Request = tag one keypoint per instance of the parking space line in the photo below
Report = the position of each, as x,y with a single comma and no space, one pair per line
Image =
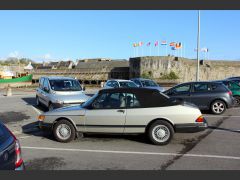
132,152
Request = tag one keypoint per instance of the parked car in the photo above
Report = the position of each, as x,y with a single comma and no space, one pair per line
119,83
147,83
234,87
125,111
234,77
56,92
10,150
212,96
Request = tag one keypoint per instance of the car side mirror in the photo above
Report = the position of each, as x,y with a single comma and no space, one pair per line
46,89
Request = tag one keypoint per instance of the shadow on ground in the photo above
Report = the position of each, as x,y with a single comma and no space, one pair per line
31,101
33,130
223,129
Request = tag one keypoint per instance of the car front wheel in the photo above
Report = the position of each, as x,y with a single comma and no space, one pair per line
160,132
64,131
37,101
218,107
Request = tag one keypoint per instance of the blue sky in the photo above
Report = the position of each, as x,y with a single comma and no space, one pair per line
53,35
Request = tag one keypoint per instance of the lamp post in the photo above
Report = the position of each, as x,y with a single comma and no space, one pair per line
198,45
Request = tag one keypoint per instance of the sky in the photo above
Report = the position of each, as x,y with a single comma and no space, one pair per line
54,35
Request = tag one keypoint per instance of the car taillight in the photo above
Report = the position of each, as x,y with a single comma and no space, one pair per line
200,119
230,93
18,160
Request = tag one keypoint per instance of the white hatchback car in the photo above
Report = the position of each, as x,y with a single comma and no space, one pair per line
125,111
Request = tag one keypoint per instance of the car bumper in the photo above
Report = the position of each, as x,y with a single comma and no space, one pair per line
58,105
191,127
20,168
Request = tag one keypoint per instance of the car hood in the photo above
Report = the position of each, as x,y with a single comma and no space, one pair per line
74,110
71,97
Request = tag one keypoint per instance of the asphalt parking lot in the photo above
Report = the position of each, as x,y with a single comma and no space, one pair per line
217,148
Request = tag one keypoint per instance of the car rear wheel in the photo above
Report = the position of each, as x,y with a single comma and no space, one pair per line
160,132
237,100
218,107
64,131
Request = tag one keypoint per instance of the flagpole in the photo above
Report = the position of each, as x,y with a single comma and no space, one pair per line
158,50
198,45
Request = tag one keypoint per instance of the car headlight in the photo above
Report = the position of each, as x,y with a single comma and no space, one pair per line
41,117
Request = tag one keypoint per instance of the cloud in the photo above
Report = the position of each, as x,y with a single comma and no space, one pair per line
15,54
47,56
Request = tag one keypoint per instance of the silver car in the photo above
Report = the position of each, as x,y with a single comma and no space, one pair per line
119,83
56,92
125,111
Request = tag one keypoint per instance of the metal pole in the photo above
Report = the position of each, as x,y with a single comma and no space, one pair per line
198,45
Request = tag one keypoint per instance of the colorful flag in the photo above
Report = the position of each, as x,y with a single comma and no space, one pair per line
204,49
149,43
140,43
164,43
172,44
178,45
156,43
173,48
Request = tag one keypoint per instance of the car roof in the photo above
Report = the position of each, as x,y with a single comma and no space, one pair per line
133,89
141,79
58,78
120,80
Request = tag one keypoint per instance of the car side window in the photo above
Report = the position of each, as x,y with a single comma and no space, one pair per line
201,87
181,89
115,84
110,101
132,101
109,83
137,82
45,84
41,83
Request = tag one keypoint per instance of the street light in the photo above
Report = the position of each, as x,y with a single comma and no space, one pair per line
198,45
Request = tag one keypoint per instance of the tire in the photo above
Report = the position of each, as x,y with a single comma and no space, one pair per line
218,107
237,100
64,131
50,107
160,128
37,101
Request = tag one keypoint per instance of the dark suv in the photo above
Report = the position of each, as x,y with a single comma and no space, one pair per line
212,96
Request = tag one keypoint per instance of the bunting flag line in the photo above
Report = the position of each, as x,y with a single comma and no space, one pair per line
156,43
164,42
178,45
172,44
140,43
204,49
149,43
173,48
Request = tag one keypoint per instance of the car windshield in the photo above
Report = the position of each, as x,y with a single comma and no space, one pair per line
148,83
65,85
127,84
89,101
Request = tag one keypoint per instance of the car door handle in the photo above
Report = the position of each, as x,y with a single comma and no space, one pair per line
121,110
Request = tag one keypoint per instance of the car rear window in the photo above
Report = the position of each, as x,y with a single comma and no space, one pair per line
219,87
4,134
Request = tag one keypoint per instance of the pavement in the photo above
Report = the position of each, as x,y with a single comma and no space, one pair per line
216,148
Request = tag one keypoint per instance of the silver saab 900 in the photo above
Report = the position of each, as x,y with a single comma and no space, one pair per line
125,111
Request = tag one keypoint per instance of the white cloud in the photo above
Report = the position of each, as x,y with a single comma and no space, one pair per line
47,56
15,54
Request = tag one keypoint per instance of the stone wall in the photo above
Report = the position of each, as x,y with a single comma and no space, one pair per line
158,66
